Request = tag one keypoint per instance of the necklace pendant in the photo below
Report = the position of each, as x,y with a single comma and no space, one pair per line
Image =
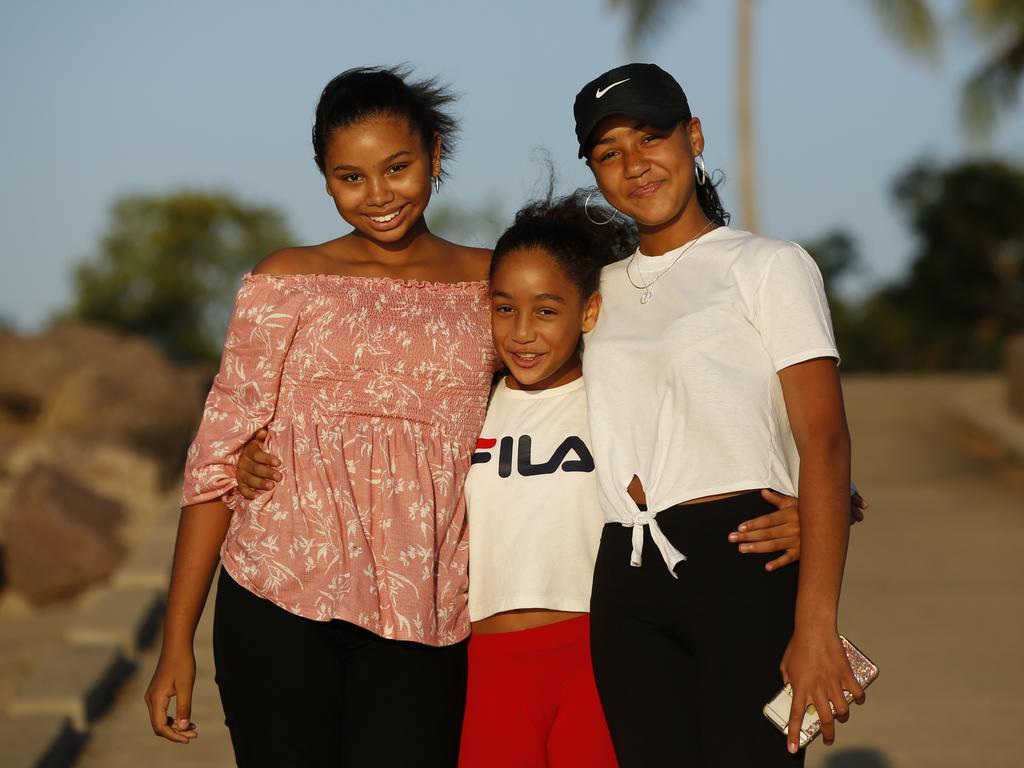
645,296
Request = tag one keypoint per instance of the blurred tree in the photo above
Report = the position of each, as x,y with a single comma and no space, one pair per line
964,293
837,257
995,85
909,21
646,16
479,226
168,266
966,284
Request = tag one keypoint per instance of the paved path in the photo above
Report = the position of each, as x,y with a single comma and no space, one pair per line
123,738
933,594
934,583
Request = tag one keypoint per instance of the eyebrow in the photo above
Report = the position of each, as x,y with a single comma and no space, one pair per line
541,296
389,159
611,140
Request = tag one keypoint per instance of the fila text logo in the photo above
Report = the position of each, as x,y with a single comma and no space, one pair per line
560,459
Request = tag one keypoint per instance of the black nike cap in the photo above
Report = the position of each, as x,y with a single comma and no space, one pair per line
644,91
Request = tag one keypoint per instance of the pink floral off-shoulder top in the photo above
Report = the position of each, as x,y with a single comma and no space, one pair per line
373,391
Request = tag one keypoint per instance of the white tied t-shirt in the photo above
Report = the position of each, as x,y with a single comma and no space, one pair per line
531,499
683,390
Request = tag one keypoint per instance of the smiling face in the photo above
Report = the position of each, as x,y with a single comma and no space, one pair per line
537,316
647,173
378,173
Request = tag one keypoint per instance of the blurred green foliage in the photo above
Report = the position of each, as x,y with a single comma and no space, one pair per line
477,226
963,294
168,265
167,268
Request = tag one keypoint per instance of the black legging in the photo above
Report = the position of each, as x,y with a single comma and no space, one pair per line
299,693
684,666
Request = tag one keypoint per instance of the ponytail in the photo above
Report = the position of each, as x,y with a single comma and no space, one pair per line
710,202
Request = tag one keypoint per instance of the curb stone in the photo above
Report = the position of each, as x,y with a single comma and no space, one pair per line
996,419
47,720
149,564
77,682
38,741
126,618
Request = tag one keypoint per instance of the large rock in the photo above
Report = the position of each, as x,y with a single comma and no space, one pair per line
85,381
110,469
60,536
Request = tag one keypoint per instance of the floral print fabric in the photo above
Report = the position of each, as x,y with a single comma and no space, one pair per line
373,391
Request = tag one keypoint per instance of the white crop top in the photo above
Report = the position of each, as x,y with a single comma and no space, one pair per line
683,390
531,499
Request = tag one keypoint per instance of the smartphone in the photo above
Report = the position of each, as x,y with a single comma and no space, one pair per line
777,710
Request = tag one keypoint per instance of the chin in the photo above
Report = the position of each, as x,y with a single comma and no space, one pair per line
389,236
530,379
655,215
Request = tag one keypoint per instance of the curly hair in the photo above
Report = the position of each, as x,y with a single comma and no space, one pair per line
561,227
363,92
710,202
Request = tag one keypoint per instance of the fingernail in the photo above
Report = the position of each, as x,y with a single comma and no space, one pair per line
182,724
744,547
792,748
733,536
743,527
277,476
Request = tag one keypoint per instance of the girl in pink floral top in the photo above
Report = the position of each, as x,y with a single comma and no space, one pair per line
341,609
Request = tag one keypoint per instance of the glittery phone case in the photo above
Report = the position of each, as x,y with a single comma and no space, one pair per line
777,710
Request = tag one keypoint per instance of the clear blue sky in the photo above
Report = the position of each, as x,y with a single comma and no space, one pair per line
113,96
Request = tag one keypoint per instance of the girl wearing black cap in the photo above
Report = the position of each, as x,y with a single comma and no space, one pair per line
711,375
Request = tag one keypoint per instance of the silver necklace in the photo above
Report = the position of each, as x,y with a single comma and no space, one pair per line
646,287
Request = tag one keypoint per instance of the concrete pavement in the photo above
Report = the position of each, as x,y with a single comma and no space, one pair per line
933,592
934,581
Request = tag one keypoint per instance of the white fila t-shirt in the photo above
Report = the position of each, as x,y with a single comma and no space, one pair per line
684,389
531,499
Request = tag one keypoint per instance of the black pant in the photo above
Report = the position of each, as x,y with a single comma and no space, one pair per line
299,693
684,666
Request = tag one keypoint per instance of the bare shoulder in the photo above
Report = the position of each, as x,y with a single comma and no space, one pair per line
476,262
301,260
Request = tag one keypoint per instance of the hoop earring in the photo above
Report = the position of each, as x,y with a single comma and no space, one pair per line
698,164
437,183
586,210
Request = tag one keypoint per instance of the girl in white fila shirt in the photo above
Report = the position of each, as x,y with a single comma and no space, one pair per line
533,503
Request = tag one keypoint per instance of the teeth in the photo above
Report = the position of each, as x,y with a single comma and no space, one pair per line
384,219
527,355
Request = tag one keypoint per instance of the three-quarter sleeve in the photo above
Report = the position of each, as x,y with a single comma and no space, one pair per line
791,312
244,394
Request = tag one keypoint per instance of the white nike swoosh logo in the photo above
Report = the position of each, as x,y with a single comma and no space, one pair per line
602,91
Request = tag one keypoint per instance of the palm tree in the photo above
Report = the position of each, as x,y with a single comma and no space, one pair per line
647,15
910,23
995,84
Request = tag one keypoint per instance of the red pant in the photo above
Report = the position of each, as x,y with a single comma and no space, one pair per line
532,703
